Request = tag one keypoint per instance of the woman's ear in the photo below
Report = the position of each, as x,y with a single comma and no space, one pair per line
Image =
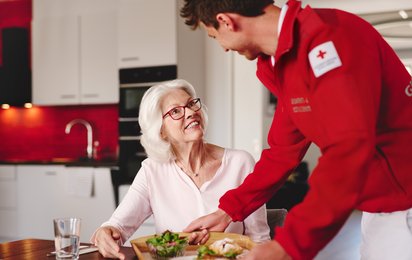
225,21
162,134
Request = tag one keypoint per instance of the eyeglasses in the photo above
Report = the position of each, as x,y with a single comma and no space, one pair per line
177,113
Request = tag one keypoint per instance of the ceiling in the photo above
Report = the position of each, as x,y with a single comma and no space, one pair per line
394,26
383,14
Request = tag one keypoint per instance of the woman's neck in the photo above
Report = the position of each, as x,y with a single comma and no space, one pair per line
192,156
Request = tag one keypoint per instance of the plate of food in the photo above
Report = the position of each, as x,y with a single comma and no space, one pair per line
170,245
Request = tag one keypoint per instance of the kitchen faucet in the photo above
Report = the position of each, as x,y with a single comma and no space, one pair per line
89,134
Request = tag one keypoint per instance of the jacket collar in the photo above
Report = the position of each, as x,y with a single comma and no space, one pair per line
285,40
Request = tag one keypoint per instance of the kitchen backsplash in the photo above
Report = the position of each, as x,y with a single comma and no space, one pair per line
38,133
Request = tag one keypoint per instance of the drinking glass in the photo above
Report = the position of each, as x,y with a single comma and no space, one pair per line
67,237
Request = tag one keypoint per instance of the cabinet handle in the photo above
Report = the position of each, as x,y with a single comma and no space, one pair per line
50,173
91,95
130,59
129,138
68,96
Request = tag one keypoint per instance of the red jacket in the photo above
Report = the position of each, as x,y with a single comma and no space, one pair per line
357,109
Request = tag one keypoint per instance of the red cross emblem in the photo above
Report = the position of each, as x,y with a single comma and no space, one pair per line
321,54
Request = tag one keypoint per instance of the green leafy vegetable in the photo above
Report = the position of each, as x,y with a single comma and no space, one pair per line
168,244
204,251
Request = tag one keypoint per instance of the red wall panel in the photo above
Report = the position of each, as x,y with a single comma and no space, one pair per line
39,133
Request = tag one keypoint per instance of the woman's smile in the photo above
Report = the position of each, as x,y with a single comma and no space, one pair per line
193,124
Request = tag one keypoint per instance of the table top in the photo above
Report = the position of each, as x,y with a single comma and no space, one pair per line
28,249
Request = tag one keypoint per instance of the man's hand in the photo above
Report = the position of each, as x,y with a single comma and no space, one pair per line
199,237
105,239
268,250
216,221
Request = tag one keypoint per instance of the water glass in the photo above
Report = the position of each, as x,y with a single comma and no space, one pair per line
67,237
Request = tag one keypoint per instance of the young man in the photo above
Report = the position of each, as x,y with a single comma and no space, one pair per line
340,86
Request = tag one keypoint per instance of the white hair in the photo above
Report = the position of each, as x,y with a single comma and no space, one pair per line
150,118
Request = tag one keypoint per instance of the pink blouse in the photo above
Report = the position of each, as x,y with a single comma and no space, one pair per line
164,190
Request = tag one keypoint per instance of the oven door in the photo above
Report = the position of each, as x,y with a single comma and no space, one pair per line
130,98
131,155
129,128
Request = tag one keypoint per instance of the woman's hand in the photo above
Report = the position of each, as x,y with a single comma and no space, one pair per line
199,237
105,239
268,250
216,221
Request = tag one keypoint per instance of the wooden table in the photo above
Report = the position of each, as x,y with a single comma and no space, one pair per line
36,249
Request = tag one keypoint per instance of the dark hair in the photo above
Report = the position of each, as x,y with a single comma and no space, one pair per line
205,11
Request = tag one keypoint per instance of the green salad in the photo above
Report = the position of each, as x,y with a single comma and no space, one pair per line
168,244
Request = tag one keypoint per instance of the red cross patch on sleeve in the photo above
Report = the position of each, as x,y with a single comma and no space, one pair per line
324,58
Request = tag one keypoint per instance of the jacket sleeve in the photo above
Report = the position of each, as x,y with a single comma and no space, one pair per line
287,147
256,225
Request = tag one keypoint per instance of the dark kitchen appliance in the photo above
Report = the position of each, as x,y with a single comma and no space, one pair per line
15,73
133,84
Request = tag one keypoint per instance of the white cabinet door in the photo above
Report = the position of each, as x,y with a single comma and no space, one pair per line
147,33
56,65
99,77
38,200
74,59
48,192
8,202
93,209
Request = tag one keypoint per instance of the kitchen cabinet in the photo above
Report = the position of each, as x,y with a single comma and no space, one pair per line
38,200
50,191
147,33
74,59
8,202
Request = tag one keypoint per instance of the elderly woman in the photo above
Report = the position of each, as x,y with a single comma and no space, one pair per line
183,177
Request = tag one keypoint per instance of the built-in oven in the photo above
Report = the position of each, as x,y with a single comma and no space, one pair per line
133,84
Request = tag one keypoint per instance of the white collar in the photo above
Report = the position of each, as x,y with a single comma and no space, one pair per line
280,23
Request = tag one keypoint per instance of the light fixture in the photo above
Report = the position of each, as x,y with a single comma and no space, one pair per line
403,14
5,106
28,105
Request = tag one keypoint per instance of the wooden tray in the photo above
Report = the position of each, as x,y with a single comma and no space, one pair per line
142,251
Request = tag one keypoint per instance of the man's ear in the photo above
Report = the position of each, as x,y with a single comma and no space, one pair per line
226,21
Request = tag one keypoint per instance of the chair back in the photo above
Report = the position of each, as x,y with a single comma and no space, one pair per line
276,218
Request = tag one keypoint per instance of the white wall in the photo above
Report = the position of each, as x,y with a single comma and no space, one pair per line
248,105
190,54
234,97
219,94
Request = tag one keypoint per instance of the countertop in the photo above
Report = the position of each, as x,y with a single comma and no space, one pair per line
35,249
69,162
